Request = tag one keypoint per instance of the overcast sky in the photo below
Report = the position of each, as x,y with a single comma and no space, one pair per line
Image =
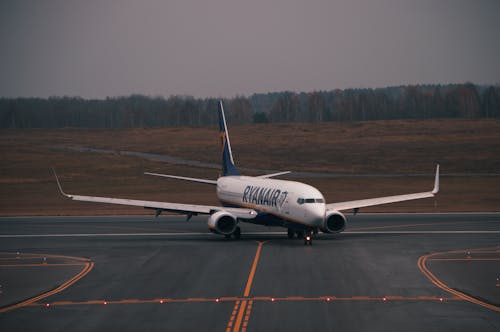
221,48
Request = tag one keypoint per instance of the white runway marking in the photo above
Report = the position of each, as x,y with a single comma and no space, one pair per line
424,232
13,236
98,234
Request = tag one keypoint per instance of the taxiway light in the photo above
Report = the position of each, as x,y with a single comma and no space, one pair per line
384,299
328,299
217,300
105,302
161,301
272,299
441,299
47,305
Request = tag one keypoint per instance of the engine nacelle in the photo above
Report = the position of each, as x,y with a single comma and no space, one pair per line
335,222
222,222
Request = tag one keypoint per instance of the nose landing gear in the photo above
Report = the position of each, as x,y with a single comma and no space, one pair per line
300,235
308,240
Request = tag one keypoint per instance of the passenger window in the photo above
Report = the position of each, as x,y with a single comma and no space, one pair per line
309,200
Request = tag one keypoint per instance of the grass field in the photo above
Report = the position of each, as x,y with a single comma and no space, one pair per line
468,151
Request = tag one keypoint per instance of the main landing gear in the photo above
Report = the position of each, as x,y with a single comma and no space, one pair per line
236,234
300,234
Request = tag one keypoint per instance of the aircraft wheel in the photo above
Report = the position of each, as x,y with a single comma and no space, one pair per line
308,240
291,233
237,233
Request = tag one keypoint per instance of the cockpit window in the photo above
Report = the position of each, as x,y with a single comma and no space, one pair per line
310,200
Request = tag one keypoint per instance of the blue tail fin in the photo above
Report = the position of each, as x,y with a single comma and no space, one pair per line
228,167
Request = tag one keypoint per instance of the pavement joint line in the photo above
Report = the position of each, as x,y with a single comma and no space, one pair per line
42,264
461,259
409,225
32,256
16,258
421,263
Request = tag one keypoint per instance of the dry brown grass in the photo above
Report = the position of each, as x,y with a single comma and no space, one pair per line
460,146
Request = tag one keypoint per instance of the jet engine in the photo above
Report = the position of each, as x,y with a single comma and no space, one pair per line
222,222
334,222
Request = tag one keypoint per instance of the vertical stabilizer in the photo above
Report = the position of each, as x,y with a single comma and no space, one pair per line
228,167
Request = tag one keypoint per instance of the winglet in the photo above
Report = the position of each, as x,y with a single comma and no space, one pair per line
59,184
436,182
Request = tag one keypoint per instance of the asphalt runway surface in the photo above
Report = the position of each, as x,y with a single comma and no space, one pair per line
387,272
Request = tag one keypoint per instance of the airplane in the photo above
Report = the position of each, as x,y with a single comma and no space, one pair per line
261,200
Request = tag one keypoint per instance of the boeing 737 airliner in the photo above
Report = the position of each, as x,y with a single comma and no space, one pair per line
261,200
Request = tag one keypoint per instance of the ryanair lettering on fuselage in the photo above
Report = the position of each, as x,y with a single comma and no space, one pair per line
264,196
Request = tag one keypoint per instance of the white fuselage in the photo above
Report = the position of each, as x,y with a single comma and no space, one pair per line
291,201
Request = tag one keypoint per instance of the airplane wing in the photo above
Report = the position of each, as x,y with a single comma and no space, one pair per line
385,200
163,206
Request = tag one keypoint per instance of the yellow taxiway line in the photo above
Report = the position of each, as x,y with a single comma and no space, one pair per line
242,309
88,265
422,265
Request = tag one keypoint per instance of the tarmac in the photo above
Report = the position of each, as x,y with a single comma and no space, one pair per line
386,272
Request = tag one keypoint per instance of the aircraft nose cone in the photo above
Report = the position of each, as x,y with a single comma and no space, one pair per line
316,215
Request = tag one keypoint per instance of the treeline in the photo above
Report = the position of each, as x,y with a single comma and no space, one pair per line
404,102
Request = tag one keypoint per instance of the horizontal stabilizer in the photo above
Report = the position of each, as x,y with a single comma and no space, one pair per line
267,176
183,178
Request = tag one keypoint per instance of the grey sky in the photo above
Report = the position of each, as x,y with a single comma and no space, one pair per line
217,48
